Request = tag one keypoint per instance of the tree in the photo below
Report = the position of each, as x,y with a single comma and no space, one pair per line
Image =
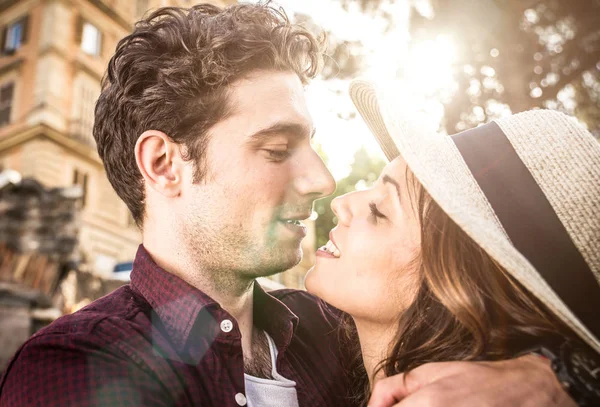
343,59
522,54
365,171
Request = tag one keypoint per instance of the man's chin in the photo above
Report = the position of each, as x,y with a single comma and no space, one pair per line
278,262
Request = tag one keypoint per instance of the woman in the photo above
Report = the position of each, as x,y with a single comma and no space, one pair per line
480,246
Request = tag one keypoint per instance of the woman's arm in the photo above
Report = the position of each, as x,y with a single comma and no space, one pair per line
528,380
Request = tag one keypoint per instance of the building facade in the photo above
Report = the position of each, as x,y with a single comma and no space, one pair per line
53,54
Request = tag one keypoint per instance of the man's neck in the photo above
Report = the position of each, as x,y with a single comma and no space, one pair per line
235,297
375,340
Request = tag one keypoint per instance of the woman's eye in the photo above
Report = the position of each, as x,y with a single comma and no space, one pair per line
277,155
375,214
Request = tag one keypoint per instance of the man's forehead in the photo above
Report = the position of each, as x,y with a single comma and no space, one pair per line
270,103
266,90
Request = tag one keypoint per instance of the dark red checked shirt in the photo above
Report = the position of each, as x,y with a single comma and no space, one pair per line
161,342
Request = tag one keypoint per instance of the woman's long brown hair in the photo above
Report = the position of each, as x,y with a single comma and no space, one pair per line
467,307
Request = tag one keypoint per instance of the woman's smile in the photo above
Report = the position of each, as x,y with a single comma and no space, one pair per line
330,249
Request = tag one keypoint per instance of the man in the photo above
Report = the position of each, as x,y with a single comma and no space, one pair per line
204,133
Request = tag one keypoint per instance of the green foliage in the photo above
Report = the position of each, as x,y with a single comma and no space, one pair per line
365,171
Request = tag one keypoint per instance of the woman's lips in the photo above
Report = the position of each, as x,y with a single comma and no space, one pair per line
330,249
332,239
323,253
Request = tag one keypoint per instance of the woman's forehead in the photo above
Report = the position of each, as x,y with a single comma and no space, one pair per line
395,169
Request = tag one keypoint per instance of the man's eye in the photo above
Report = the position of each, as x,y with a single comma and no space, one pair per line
375,214
277,155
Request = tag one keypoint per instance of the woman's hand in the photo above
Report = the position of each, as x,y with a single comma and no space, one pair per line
526,381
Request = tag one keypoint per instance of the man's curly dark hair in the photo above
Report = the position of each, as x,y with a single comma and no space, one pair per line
172,74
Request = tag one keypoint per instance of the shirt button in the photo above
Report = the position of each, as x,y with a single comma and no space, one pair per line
227,326
240,399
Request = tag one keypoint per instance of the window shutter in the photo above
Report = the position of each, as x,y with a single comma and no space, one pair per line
25,28
78,30
6,94
4,116
3,38
85,189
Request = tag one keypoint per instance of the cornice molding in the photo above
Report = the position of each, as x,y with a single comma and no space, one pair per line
42,131
112,14
82,66
12,65
65,2
6,4
52,49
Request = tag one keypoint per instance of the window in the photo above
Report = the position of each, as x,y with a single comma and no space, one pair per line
6,99
81,179
14,35
91,39
85,94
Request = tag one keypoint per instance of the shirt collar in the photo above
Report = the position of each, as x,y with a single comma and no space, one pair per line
178,305
175,302
274,317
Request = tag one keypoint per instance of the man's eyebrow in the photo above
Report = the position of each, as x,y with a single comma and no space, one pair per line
296,130
387,179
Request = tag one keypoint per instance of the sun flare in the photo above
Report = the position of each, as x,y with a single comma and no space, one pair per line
429,65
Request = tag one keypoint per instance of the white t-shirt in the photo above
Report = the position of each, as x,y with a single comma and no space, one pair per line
276,392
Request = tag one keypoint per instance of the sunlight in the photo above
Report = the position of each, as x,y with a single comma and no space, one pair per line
422,73
429,65
422,77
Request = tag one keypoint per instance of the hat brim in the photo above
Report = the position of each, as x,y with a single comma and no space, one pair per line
438,165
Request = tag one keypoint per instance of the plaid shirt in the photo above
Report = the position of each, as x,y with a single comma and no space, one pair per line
161,342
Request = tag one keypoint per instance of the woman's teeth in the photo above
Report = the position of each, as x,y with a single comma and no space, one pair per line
331,248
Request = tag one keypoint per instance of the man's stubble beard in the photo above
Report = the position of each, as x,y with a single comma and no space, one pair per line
228,253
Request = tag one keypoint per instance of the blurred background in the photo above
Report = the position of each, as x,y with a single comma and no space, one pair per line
66,238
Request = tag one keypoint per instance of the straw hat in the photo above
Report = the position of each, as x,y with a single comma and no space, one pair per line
526,188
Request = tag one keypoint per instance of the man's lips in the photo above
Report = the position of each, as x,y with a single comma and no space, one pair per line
294,225
296,217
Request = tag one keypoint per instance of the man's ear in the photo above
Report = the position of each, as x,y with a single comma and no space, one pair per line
158,159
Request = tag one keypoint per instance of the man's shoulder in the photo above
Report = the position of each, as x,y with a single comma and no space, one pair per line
103,330
309,308
286,294
107,324
102,344
295,298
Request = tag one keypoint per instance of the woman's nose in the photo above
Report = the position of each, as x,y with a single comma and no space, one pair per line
340,208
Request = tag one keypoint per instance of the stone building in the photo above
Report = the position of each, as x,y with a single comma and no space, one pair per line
53,54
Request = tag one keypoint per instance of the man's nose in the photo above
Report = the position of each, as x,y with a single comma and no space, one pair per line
313,178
